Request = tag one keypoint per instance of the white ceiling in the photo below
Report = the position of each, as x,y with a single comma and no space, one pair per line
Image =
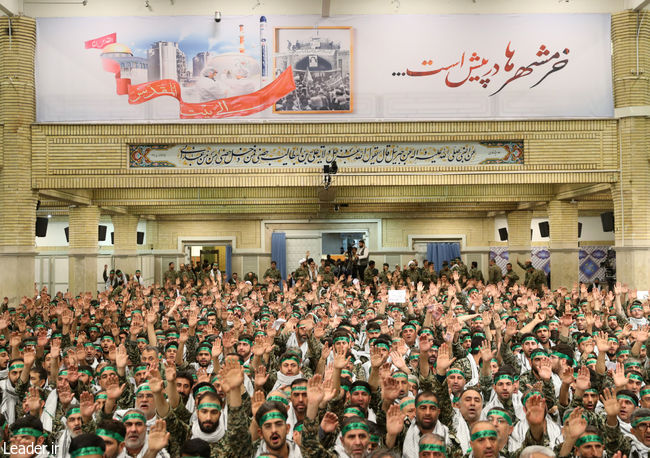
54,8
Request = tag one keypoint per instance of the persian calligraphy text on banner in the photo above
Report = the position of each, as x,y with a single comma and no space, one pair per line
303,67
316,155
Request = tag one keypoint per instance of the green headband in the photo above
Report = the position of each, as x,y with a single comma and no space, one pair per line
106,369
529,339
639,420
584,339
173,335
87,451
273,415
204,348
209,405
588,438
501,413
427,402
645,391
28,432
85,371
531,394
400,375
246,341
433,448
627,398
140,369
292,357
635,376
455,371
15,366
382,345
134,416
623,352
504,376
108,338
563,356
426,331
298,428
281,399
405,403
485,433
298,388
354,411
204,389
537,353
141,388
341,339
73,411
112,434
353,426
360,388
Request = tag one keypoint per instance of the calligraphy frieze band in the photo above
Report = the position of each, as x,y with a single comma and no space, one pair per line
205,156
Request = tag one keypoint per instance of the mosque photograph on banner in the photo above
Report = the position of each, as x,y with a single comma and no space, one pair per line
321,58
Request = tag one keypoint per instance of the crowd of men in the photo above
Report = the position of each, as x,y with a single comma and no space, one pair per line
207,366
329,92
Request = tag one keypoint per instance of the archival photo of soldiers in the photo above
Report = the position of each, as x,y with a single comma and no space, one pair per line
321,59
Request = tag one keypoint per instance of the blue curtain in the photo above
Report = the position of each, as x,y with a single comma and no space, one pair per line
437,252
228,262
279,252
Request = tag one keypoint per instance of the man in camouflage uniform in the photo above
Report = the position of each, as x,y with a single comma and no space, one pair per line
273,272
494,273
170,274
511,275
475,273
536,280
370,273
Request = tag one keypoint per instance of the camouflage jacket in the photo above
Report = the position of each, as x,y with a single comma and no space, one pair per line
232,445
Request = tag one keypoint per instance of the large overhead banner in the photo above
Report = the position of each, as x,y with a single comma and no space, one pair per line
309,68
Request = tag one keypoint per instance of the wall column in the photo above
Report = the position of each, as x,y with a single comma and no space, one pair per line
631,195
519,239
563,224
17,199
84,222
125,252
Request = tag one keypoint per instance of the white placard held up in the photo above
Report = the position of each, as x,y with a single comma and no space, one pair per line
397,296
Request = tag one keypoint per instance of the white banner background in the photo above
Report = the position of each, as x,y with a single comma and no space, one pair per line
73,87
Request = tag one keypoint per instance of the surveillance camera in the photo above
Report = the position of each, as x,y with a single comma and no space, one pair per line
217,16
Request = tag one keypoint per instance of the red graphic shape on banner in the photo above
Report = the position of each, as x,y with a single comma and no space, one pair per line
122,84
99,43
242,105
146,91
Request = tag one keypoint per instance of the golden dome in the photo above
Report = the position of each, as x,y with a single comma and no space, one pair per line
116,47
